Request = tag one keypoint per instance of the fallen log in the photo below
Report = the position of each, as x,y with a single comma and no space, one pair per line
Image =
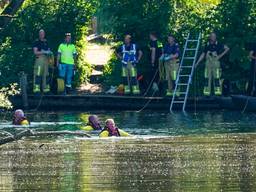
58,133
30,133
12,138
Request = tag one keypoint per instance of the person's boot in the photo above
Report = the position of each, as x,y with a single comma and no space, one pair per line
47,90
218,91
207,92
169,93
36,90
127,90
135,90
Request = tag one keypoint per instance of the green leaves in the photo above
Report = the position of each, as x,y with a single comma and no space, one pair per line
57,18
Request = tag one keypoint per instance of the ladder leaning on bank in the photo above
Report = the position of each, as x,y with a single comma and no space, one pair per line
185,72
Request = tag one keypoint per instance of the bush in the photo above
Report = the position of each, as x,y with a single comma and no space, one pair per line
5,92
231,19
57,18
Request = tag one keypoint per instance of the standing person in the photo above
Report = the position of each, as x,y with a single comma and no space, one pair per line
67,55
213,52
156,49
130,55
41,68
169,64
252,79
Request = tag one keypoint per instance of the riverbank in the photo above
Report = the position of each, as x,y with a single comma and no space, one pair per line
111,102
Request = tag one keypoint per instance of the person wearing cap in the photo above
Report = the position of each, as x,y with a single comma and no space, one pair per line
213,52
93,124
169,64
130,55
43,60
19,118
111,130
66,62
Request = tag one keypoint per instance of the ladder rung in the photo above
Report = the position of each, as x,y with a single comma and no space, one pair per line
182,93
184,75
186,66
190,49
182,84
189,57
178,101
192,40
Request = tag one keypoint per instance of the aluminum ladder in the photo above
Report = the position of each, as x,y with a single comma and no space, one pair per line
185,72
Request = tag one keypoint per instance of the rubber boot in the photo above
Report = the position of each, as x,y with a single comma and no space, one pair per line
36,89
135,90
218,91
47,89
169,93
127,90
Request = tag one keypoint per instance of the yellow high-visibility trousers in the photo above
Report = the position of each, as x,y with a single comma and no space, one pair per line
212,75
129,76
41,74
168,71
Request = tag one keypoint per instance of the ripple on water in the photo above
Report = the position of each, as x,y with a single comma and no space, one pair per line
183,163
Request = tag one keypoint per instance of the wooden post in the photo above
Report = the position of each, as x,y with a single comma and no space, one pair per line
23,87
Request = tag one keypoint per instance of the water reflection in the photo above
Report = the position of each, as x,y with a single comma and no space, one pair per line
206,152
189,163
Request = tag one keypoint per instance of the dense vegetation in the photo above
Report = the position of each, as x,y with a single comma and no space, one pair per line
233,20
56,17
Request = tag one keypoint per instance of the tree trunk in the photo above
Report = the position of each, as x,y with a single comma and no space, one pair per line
9,12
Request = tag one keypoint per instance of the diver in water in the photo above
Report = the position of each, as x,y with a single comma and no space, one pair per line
111,130
93,124
19,118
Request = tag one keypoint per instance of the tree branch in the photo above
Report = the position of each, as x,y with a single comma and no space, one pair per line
30,133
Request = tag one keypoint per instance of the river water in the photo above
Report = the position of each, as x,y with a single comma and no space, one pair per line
209,151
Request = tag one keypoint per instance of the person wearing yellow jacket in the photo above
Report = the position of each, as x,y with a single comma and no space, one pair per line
111,130
19,118
93,124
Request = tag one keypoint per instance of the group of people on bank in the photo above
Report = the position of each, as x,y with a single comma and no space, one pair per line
93,124
44,60
164,64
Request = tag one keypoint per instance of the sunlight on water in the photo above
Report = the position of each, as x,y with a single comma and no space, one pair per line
209,152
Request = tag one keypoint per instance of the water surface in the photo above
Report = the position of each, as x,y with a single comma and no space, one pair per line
203,152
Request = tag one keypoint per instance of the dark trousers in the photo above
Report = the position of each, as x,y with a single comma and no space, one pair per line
251,90
154,74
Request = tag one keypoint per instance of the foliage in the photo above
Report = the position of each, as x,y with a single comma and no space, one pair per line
112,71
233,20
57,18
5,92
135,17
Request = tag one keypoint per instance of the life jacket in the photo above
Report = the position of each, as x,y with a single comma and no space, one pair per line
129,56
110,134
20,121
95,127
